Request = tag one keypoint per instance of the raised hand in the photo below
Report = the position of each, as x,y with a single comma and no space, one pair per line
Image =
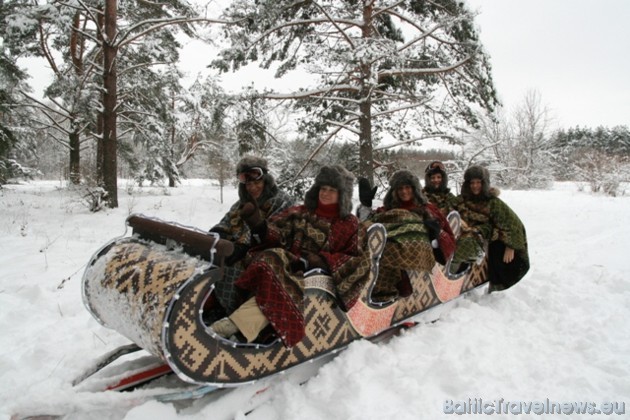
250,213
366,192
433,228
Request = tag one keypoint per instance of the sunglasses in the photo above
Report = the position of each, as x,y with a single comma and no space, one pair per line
435,165
252,174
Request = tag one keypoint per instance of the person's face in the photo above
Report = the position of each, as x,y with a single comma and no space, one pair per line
436,180
255,188
475,186
328,195
405,192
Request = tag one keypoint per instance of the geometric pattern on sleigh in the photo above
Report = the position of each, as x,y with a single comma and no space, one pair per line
153,292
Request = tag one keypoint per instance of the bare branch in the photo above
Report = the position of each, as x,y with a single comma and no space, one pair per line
316,151
336,25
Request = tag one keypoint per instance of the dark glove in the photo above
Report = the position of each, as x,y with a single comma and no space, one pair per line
250,213
222,234
298,265
315,260
433,228
238,254
366,193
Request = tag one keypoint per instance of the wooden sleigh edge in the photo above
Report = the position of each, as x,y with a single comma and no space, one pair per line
195,242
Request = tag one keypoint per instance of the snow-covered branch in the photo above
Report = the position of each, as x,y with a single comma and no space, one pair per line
310,93
421,72
304,22
345,125
433,136
130,34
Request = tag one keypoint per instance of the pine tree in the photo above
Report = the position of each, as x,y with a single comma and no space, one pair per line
101,46
384,70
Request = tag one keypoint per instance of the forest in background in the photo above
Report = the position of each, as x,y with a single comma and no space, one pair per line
117,108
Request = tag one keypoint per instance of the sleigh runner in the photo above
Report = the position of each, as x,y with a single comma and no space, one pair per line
152,287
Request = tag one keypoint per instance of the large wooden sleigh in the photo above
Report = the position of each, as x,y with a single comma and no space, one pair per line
152,286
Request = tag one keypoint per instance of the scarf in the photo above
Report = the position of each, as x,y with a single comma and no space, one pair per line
327,211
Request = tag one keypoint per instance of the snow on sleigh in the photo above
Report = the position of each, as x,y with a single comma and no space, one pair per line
151,287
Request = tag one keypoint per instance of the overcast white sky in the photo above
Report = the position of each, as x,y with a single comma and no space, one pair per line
575,53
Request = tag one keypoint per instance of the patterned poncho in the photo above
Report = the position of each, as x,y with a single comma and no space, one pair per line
444,200
234,229
408,247
491,219
278,285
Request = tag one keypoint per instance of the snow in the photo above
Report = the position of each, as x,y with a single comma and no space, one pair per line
560,336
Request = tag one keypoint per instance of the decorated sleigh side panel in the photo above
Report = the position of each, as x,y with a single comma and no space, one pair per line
199,355
129,284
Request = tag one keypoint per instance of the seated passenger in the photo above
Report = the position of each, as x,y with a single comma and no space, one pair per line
418,234
320,235
436,187
257,185
486,219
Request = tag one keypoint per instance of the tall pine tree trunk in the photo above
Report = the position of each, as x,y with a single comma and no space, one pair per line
75,158
110,144
171,175
76,55
366,156
99,117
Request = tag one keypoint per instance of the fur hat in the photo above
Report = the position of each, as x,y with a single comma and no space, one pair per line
398,179
337,177
436,167
478,172
248,162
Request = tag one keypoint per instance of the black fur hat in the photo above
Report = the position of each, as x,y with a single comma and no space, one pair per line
398,179
478,172
337,177
248,162
436,167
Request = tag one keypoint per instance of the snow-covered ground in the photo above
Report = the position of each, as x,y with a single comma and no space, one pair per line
560,336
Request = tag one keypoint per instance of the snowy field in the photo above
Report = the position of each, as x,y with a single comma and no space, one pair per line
560,336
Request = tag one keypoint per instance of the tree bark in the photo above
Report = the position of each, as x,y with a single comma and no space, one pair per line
76,55
99,117
110,51
75,158
366,152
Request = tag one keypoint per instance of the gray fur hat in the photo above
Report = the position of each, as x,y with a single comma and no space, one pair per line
435,167
337,177
478,172
248,162
398,179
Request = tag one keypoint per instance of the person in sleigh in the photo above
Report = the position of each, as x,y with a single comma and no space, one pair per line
489,221
257,185
436,188
321,236
418,234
